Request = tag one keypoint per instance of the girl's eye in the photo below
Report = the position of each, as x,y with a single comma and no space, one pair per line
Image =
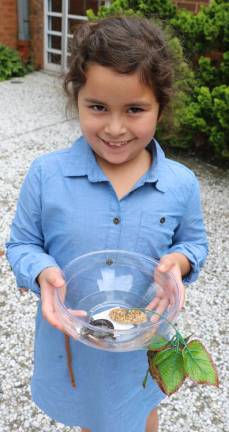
135,110
97,108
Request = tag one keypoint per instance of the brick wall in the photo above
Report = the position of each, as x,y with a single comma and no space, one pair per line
8,23
191,5
36,21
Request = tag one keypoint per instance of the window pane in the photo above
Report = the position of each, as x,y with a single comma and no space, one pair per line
80,7
77,7
54,42
68,61
55,5
54,58
92,4
54,23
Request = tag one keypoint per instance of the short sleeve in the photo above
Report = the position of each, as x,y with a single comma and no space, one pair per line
25,248
190,237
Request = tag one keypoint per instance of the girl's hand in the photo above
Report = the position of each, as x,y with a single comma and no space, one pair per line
50,279
178,265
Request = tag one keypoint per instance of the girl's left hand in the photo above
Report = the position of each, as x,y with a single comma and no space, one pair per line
165,295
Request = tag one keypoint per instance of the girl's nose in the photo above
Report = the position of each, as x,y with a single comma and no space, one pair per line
115,127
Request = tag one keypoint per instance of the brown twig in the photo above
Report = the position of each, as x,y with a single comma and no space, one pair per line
69,360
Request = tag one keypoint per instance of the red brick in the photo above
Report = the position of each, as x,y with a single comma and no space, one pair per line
36,19
197,1
8,22
189,6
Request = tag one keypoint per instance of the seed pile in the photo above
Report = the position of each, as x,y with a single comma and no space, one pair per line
127,316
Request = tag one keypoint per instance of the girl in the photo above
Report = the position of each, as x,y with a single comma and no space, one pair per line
113,189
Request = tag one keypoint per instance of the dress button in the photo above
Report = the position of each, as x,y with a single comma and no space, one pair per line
109,261
162,220
116,220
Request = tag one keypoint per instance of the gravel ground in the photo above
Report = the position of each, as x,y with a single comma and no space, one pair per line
33,121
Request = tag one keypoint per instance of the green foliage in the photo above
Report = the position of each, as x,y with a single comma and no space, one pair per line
198,363
117,7
205,31
157,343
205,119
157,8
154,8
167,368
176,359
11,64
200,106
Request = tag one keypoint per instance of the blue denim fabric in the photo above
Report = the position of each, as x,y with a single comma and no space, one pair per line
65,209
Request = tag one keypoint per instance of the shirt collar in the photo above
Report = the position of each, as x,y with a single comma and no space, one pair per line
156,174
81,161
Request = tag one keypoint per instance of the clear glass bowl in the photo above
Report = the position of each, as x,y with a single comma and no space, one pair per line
101,281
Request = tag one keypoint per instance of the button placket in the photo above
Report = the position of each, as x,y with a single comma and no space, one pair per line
113,234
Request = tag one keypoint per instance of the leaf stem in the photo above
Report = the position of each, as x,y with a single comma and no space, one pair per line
177,340
146,377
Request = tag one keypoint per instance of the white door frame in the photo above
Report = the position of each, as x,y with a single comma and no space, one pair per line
63,34
48,15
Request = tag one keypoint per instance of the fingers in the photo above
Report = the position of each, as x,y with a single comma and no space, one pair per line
78,312
49,280
153,304
166,289
55,279
161,308
48,307
182,296
178,265
165,265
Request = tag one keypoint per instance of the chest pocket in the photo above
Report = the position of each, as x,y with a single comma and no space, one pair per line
156,234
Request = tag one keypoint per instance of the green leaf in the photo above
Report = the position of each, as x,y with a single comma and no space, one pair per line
157,343
167,368
198,364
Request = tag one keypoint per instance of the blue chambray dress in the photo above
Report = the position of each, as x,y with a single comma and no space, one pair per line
67,208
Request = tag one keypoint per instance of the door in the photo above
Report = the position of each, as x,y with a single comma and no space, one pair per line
61,18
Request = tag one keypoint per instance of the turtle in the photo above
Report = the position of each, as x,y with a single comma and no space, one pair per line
103,323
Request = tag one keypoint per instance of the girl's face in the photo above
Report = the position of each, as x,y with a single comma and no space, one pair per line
118,114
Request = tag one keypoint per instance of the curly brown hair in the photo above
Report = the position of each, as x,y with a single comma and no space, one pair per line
127,45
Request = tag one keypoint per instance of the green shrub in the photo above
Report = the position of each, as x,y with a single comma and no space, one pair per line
205,31
11,64
205,120
156,8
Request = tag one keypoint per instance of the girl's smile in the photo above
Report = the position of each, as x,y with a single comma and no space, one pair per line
118,115
116,145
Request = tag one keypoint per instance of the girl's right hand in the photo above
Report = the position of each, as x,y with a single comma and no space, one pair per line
50,279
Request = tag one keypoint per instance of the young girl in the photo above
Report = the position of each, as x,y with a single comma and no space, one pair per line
113,189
